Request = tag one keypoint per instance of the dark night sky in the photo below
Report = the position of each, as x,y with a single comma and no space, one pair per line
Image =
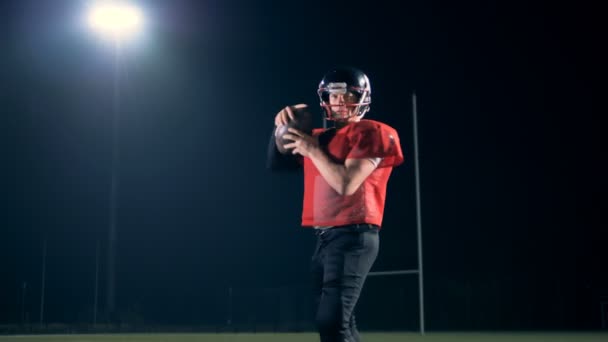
512,168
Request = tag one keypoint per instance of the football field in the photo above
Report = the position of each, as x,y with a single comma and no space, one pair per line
310,337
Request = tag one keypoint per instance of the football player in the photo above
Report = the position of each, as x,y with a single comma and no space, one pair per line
346,171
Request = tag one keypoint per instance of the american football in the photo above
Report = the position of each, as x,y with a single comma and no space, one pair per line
302,122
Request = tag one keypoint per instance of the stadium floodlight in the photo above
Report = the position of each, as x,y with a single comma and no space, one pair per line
117,20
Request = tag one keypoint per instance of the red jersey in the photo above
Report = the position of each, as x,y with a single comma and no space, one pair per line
323,206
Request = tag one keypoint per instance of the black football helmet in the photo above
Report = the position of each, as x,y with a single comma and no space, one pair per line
341,81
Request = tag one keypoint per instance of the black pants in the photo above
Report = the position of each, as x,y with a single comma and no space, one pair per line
341,261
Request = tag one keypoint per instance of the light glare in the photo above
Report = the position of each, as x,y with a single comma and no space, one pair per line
116,20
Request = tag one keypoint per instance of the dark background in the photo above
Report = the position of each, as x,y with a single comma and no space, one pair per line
511,159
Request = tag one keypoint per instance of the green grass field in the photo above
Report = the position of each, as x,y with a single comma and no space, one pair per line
309,337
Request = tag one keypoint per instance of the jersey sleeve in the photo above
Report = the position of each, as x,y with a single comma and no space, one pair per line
375,140
275,161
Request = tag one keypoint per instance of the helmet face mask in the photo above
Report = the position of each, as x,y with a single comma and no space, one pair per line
349,83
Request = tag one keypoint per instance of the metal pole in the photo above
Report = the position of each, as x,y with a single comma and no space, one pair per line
110,298
96,283
603,310
43,283
229,321
23,289
418,215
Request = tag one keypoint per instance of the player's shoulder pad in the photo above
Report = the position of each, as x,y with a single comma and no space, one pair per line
373,139
372,125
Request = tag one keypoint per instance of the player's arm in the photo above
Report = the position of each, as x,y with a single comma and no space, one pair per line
345,178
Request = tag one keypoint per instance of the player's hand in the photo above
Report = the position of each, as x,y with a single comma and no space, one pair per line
286,114
303,144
